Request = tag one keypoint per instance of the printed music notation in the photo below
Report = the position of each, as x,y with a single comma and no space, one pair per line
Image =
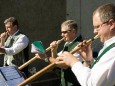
10,76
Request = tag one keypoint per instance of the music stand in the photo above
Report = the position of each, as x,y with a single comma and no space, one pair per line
10,76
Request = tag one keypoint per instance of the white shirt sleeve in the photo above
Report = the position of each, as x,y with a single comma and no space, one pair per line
102,74
81,72
18,46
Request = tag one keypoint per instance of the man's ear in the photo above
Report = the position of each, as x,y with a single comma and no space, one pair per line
15,26
112,23
74,31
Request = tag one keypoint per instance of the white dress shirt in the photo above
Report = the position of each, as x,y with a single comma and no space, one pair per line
102,73
18,46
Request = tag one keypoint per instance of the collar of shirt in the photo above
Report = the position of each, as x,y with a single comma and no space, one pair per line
110,41
70,42
107,43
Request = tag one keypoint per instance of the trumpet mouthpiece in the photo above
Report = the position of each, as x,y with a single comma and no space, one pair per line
96,37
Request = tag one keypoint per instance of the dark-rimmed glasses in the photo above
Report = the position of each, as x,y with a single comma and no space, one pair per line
95,27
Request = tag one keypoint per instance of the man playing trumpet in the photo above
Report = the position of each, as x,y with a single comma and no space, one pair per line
102,70
15,46
69,30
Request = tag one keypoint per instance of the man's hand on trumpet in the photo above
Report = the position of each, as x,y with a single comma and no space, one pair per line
67,59
86,52
3,37
54,46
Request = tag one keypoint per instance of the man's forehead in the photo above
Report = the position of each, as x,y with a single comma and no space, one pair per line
96,19
64,27
8,23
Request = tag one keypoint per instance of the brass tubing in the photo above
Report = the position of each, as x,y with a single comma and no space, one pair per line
37,74
52,65
34,58
59,41
87,42
28,62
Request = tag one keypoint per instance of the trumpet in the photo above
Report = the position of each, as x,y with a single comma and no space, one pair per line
87,42
59,41
5,33
52,65
34,58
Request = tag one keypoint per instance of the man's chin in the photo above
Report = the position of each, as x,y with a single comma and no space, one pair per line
102,40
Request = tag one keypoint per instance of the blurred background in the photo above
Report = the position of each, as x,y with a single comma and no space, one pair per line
41,19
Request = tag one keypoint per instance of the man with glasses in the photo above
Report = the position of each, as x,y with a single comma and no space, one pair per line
102,70
69,30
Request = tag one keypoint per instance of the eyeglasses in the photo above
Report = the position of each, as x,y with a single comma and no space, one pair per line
64,32
95,27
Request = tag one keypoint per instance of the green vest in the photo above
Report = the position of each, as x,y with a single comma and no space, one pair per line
67,76
19,58
72,46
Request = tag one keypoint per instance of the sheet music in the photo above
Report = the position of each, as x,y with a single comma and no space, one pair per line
10,73
15,82
2,81
10,76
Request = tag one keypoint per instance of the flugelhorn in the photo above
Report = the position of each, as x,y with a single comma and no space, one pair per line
59,41
52,65
5,33
34,58
87,42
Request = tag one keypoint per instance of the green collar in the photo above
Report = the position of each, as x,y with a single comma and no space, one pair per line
98,58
